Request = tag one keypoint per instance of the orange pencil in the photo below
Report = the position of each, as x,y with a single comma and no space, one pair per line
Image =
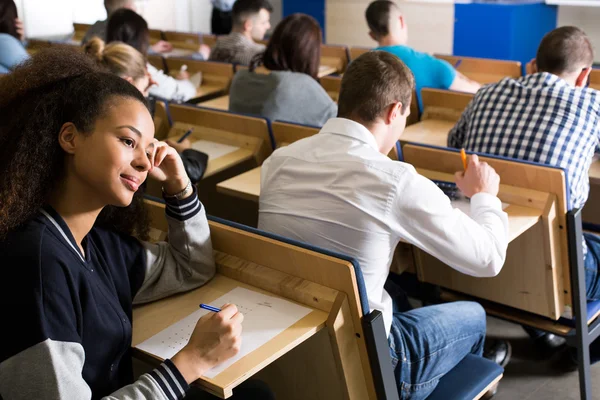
463,155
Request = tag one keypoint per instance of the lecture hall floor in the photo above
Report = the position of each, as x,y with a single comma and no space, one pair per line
529,376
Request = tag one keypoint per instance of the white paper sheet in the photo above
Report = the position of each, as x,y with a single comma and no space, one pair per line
213,149
264,318
464,205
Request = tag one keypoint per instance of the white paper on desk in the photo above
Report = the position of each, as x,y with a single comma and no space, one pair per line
264,318
213,149
464,205
196,79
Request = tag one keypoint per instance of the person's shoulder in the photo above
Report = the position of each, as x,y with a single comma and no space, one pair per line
31,247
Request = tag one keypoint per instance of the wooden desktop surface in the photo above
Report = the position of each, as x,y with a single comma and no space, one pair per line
245,186
325,70
219,103
216,165
432,131
520,218
149,319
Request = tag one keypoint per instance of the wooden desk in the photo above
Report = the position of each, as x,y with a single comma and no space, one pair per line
325,70
215,165
332,85
245,186
535,276
330,361
431,131
150,319
520,217
179,52
334,56
595,79
484,70
219,103
216,77
591,210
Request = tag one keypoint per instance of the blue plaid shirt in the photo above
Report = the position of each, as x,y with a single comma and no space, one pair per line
539,118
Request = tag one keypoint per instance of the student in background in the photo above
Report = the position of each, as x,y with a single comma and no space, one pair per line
290,90
338,190
128,27
548,117
77,143
12,51
129,64
99,28
388,28
221,19
250,23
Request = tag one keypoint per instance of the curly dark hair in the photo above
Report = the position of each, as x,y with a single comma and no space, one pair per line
56,86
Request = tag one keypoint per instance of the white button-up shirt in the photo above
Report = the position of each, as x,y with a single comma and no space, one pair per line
335,190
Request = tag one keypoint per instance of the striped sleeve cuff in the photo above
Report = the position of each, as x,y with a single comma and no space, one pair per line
182,210
170,380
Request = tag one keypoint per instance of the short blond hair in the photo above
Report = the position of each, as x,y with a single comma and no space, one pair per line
119,58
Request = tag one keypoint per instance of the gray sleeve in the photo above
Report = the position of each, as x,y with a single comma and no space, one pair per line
186,261
52,370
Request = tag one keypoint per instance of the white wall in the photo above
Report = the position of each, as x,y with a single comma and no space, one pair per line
430,24
586,18
45,18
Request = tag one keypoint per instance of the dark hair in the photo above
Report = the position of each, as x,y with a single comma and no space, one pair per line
295,46
57,85
378,17
127,26
372,82
563,50
244,9
8,15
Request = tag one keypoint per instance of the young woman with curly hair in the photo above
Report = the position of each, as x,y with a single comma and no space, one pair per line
76,143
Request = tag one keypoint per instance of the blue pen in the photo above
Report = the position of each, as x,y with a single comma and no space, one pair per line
457,64
185,135
210,308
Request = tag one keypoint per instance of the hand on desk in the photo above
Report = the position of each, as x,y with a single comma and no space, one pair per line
479,177
216,338
204,50
162,47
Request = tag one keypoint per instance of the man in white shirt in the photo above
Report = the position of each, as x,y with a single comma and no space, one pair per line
338,190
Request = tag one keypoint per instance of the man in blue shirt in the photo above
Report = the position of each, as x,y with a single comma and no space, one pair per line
388,28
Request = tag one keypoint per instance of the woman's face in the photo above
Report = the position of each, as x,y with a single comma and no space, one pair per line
114,160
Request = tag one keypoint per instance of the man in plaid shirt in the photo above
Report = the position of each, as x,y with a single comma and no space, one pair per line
548,117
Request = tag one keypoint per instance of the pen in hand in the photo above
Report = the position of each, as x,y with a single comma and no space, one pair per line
463,156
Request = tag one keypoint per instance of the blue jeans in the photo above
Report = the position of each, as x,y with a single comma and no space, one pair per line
427,342
592,264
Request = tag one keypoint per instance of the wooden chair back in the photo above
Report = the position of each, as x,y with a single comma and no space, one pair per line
484,70
444,104
356,52
286,133
595,79
332,85
335,56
